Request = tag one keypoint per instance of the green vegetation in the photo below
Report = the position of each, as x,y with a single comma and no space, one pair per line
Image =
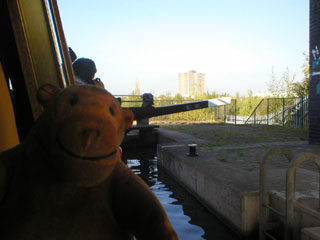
240,105
218,135
246,104
241,154
208,114
214,144
250,169
134,100
287,86
222,159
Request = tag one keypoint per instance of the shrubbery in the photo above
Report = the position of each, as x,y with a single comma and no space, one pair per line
244,105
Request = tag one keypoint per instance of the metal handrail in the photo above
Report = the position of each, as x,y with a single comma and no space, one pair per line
253,111
275,116
264,207
290,188
290,108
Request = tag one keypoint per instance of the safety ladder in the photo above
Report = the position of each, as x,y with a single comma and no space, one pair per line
288,216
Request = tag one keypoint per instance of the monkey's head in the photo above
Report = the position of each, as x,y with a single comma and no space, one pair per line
87,126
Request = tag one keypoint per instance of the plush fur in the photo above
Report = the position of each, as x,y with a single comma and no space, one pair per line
67,181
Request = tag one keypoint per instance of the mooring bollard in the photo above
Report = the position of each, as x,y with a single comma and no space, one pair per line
192,150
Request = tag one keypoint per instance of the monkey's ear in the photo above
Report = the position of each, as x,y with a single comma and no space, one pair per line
128,117
46,93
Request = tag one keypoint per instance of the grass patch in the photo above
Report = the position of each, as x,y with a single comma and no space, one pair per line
222,159
214,144
249,169
241,154
230,135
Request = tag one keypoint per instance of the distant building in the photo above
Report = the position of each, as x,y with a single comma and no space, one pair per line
191,83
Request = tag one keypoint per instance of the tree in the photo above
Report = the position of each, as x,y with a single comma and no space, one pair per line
136,90
281,87
302,88
133,101
275,87
288,82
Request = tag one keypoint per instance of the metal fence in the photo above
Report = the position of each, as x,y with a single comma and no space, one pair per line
290,112
227,113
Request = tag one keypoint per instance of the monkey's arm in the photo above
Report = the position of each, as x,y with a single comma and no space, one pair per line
138,209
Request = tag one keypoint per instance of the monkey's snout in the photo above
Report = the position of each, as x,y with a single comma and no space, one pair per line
90,133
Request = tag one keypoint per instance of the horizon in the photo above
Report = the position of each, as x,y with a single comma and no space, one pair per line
235,44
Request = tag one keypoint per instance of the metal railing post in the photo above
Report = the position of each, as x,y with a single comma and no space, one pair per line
302,113
283,104
235,112
268,111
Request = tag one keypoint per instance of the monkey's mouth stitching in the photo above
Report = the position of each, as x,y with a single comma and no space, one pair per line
84,157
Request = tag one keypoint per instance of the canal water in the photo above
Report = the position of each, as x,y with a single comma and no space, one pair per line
189,218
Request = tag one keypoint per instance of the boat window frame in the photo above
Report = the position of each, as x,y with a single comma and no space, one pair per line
42,47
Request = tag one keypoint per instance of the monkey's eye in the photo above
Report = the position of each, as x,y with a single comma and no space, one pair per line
111,111
74,100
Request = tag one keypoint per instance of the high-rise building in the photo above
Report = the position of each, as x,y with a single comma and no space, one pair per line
201,83
191,83
183,84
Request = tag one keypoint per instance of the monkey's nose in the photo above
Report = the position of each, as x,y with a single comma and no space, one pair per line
90,132
89,137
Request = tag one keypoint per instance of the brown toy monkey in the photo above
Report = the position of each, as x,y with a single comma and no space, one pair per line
67,181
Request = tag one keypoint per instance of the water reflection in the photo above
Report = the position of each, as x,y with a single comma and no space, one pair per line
189,218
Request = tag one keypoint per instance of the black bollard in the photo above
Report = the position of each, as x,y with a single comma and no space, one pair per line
192,150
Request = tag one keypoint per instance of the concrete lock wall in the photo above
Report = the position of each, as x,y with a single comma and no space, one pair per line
238,209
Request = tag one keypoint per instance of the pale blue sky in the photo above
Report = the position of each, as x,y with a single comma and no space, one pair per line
235,43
